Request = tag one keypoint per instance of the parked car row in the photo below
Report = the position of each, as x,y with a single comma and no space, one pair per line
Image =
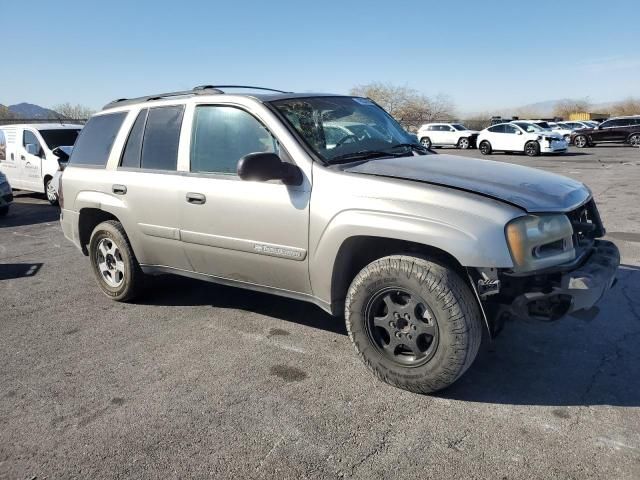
624,130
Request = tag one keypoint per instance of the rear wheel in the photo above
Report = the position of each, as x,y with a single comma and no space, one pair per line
485,148
50,191
463,143
634,140
581,141
426,142
414,322
113,262
532,149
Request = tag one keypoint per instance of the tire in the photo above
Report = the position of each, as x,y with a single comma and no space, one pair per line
50,192
426,142
532,149
581,141
4,211
485,148
433,334
114,263
634,140
463,143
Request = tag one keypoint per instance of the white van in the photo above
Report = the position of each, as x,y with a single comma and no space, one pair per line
28,160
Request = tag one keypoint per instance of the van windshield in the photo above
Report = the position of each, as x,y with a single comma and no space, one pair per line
60,137
345,128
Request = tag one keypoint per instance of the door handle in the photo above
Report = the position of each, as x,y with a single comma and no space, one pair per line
22,157
196,198
119,189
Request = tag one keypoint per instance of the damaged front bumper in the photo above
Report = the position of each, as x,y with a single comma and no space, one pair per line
562,293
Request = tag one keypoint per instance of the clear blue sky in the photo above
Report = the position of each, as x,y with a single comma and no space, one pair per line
484,54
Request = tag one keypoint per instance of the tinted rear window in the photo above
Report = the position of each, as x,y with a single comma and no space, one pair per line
133,147
94,143
161,138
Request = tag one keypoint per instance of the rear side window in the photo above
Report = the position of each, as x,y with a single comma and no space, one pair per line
497,129
161,138
94,143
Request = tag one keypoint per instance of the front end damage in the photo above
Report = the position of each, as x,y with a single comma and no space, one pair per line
554,292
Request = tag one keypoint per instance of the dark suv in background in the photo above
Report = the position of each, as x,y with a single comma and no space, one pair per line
614,130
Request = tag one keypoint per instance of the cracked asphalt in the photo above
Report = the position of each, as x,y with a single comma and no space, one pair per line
197,380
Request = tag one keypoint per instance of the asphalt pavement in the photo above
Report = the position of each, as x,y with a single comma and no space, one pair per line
196,380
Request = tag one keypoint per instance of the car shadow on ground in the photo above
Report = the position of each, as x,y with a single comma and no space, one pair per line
181,291
10,271
29,209
590,359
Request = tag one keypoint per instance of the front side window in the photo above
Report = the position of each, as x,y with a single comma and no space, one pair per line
530,127
162,138
369,130
497,128
61,137
510,129
459,127
94,143
29,137
221,136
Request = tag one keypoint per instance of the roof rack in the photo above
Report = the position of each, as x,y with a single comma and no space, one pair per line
199,90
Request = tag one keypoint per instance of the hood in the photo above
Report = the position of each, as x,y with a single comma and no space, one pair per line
528,188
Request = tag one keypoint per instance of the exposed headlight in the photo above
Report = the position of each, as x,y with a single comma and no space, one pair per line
540,241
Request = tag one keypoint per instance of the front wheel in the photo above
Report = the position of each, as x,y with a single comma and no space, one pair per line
581,141
52,194
532,149
113,262
634,141
485,148
414,322
426,142
463,143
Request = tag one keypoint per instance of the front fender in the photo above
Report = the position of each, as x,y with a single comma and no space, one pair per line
479,244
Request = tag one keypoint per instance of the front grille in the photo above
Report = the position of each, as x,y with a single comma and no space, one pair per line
586,223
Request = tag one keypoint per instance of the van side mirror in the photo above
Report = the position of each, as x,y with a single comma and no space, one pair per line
33,149
263,167
63,157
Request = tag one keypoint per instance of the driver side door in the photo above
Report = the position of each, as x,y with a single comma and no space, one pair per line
250,232
30,165
513,138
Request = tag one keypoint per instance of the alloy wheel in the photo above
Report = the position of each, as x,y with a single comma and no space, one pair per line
635,141
52,195
463,143
402,327
110,263
580,141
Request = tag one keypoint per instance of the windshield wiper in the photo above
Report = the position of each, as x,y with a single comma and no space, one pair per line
416,147
361,155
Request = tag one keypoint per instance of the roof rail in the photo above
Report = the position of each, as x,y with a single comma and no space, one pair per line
185,93
248,87
199,90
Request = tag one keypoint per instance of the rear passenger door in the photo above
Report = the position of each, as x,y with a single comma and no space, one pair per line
148,183
254,233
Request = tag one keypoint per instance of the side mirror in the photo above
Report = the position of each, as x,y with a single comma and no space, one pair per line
263,167
518,132
33,149
63,157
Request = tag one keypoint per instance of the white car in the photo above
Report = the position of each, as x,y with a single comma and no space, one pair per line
29,162
520,137
553,127
447,135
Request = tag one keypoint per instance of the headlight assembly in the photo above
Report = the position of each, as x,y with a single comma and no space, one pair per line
540,241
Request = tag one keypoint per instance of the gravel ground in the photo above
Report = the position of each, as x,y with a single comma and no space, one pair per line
198,380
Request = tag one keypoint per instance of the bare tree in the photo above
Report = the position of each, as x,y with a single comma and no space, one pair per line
67,110
5,113
565,108
629,106
407,105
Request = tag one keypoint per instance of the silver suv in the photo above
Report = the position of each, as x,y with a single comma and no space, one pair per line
419,251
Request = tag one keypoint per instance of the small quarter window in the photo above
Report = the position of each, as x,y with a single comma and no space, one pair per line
94,143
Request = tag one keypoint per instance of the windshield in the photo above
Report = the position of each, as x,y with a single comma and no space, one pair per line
338,128
529,127
59,137
544,125
459,127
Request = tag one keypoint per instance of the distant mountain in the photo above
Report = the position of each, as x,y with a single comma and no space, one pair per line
29,110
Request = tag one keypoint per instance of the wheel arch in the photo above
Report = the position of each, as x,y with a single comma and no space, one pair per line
89,218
